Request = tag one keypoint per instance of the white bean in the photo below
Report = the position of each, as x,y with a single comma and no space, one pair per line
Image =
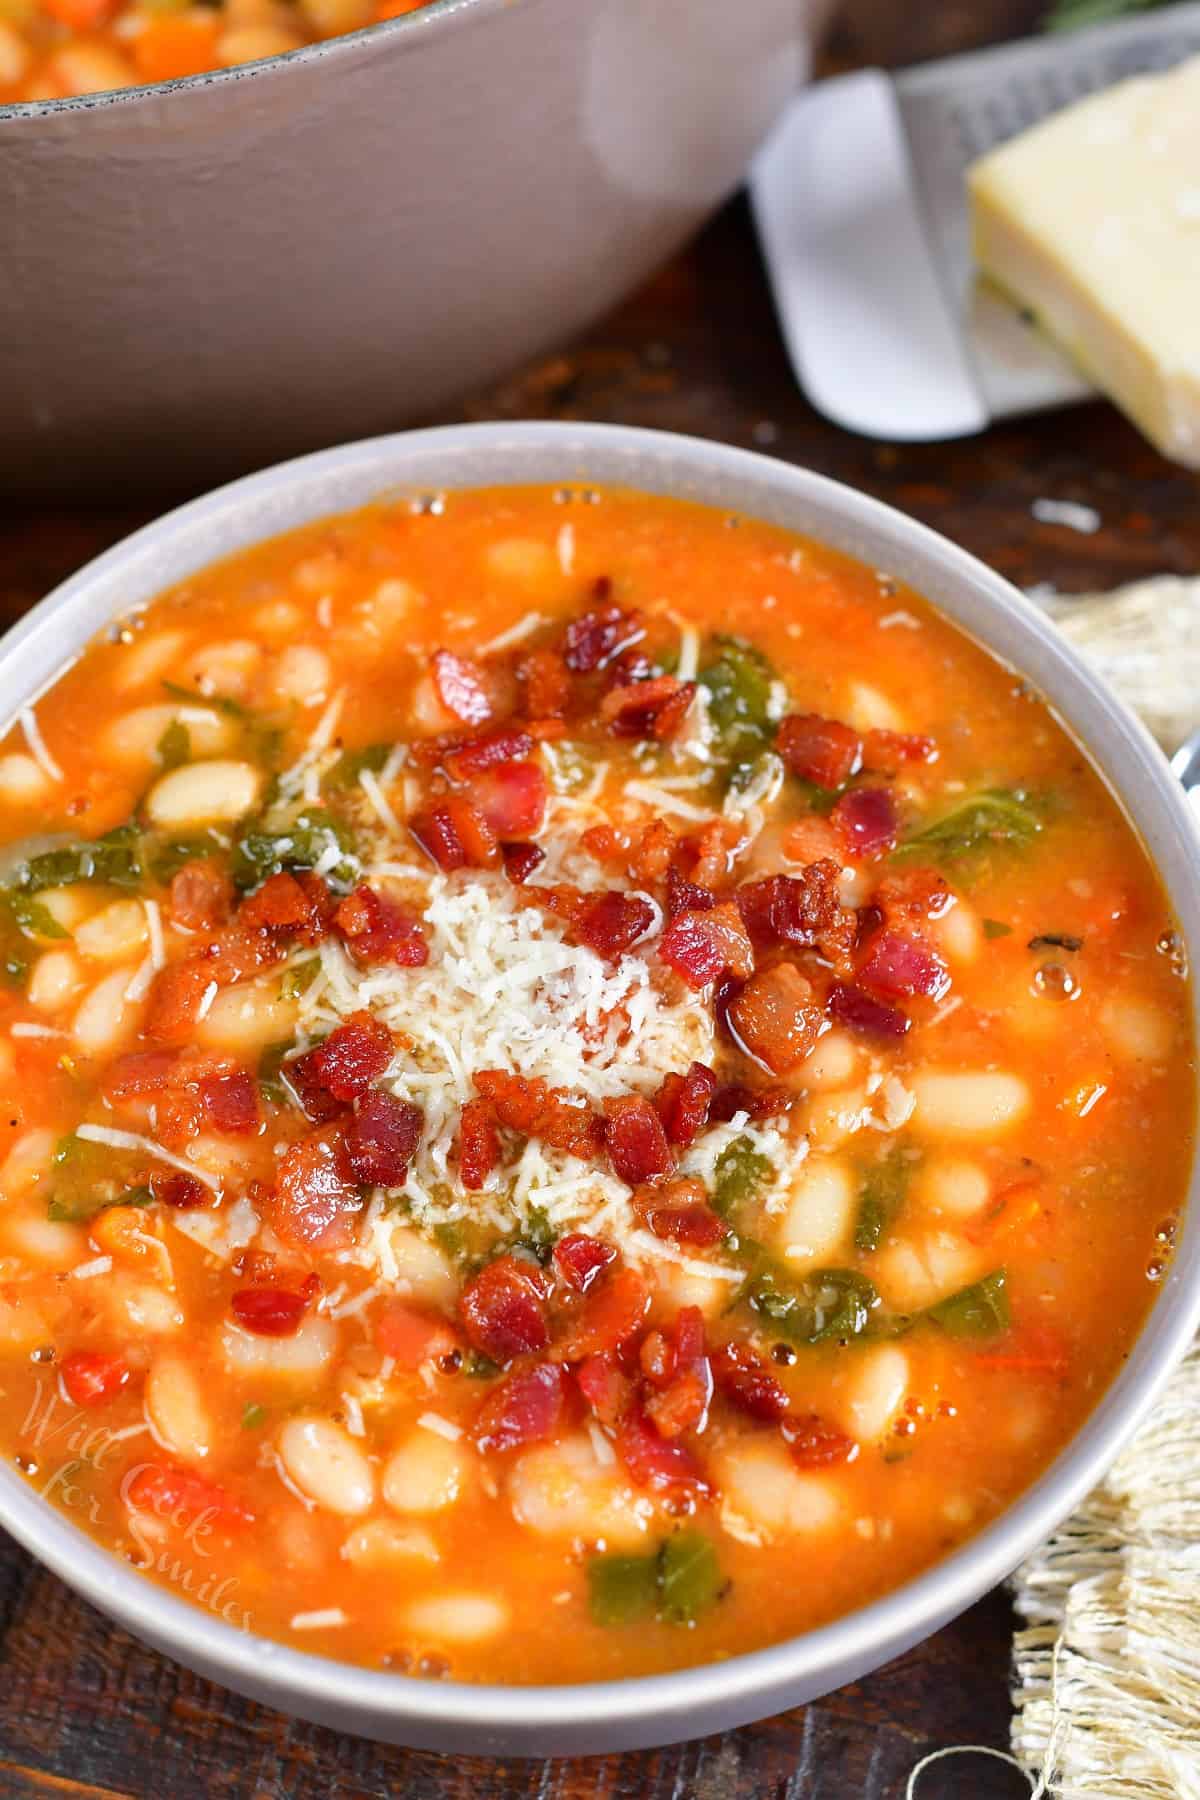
203,793
302,674
22,1323
133,739
22,780
832,1064
115,932
278,618
52,1242
390,608
952,1185
968,1104
765,1491
869,709
675,1286
425,1474
457,1618
326,1465
819,1214
915,1272
67,906
383,1541
867,1402
423,1270
227,668
958,933
140,1307
246,1017
830,1119
106,1017
526,562
27,1163
305,1353
148,659
1138,1030
562,1490
54,979
175,1409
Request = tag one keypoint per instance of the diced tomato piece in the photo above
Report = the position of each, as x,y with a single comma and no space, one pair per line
679,1213
231,1101
200,896
636,1142
580,1259
315,1193
612,1314
520,860
758,1103
478,1144
460,687
685,896
179,1497
487,750
903,965
647,709
91,1378
503,1309
683,1102
512,799
172,1187
375,929
269,1312
776,1018
352,1057
295,906
381,1139
535,1109
593,641
886,752
815,1444
744,1378
545,684
526,1408
412,1337
867,821
858,1011
822,751
702,945
605,1388
657,1462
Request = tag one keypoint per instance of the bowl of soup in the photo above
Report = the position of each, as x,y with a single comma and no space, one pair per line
239,230
602,1085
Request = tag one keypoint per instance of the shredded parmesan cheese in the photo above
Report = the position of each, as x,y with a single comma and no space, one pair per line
322,1620
37,744
99,1265
443,1428
133,1140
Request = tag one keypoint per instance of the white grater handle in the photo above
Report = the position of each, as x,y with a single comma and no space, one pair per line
870,332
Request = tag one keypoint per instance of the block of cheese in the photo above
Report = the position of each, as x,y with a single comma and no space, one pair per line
1091,221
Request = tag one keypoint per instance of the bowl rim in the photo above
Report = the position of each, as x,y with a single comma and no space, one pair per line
676,1701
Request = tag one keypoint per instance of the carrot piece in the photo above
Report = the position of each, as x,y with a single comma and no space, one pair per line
168,48
1014,1209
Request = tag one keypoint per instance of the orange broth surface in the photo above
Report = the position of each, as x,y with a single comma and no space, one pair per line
862,1130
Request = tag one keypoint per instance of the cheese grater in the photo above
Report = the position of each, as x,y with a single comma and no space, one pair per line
860,204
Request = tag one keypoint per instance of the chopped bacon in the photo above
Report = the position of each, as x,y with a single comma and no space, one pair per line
683,1102
650,858
758,1103
314,1193
381,1139
91,1378
512,799
815,1444
478,1144
679,1213
608,923
612,1314
487,750
677,1367
231,1101
182,990
580,1259
140,1072
591,642
526,1408
743,1377
636,1142
912,895
605,1388
535,1109
804,910
702,945
867,821
545,685
412,1337
179,1497
455,834
171,1187
293,906
822,751
503,1309
657,1462
903,965
460,687
647,709
605,843
886,752
269,1312
776,1018
200,896
520,860
849,1006
334,1074
686,896
375,929
712,850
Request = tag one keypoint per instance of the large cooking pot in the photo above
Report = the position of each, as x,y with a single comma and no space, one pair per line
210,273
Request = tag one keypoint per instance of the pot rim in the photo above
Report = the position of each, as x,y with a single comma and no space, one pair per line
654,1708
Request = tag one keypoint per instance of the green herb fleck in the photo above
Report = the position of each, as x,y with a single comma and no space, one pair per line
689,1576
270,1071
995,818
539,1236
299,978
738,1173
880,1198
220,703
258,853
826,1305
480,1368
622,1589
981,1310
351,763
995,928
253,1415
175,745
449,1238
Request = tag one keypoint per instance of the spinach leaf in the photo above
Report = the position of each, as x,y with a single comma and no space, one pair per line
981,1310
34,918
270,1071
539,1237
880,1198
85,1178
824,1306
739,1172
163,858
995,817
175,745
689,1577
737,678
220,703
258,852
299,978
114,858
622,1588
351,763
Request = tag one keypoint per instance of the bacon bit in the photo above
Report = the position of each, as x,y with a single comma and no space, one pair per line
655,708
610,1316
269,1312
200,896
683,1102
545,685
535,1109
912,895
171,1187
381,1139
412,1337
375,929
503,1309
605,843
712,850
759,1103
231,1101
526,1408
1033,1349
678,1211
678,1367
702,945
460,687
296,906
655,1462
486,750
456,835
815,1444
91,1378
314,1193
520,860
857,1011
651,858
608,923
580,1259
140,1072
804,910
604,1387
686,896
886,752
776,1017
593,641
902,965
512,799
819,750
478,1145
636,1142
744,1378
867,821
180,990
179,1497
332,1076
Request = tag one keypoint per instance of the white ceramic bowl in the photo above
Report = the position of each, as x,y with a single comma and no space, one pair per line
657,1709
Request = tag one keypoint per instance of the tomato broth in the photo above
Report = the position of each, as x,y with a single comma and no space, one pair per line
590,1086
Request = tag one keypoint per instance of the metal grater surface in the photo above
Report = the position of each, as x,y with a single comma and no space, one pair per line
865,177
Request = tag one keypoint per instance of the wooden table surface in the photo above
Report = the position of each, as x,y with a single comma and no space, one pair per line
87,1712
